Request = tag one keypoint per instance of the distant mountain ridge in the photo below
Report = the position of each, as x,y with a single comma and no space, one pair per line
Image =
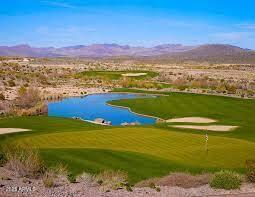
201,52
94,50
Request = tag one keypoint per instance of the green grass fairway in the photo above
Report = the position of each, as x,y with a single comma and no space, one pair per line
228,111
42,124
146,151
114,75
182,148
139,166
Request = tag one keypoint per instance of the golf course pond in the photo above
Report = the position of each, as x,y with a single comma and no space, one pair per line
94,106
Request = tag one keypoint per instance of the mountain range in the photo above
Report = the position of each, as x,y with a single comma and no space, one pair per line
115,50
94,50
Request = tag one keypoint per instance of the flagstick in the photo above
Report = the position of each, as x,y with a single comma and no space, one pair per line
206,142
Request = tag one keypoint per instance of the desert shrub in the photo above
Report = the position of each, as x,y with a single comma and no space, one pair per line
181,83
60,169
199,83
26,180
221,88
48,179
231,89
55,176
71,178
86,179
24,160
147,183
111,179
226,180
40,109
128,187
2,97
11,83
184,180
182,87
22,90
5,178
28,98
250,174
2,159
5,106
152,185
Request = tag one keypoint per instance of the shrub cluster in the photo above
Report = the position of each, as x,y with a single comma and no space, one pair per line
24,160
250,165
28,97
110,179
56,175
132,83
226,180
86,178
49,179
2,97
29,103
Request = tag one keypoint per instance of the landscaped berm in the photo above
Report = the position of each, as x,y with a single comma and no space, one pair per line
144,152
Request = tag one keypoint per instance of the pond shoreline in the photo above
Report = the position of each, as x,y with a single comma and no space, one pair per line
94,106
128,108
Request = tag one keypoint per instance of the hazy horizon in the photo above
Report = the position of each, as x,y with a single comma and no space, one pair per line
85,45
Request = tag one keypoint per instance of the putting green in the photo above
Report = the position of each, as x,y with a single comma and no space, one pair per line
182,148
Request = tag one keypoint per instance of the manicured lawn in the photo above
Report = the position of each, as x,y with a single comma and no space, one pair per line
42,124
114,75
139,166
228,111
183,148
146,151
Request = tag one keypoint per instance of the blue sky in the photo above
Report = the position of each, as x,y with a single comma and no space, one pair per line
134,22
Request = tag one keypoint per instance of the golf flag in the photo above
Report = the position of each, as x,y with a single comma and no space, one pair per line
206,137
206,142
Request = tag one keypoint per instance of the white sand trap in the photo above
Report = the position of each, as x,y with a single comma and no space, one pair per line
11,130
208,128
133,74
192,119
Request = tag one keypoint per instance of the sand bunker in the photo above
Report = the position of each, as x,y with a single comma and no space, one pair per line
133,74
192,119
11,130
207,128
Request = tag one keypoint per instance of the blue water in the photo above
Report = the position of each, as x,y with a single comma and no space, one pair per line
94,106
